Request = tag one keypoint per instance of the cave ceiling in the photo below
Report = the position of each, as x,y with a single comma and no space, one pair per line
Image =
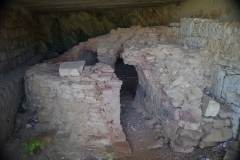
90,5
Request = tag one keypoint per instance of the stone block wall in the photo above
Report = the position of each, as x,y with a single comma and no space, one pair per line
222,39
19,39
84,108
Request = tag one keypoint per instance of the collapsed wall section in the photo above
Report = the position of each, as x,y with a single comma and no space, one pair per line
86,108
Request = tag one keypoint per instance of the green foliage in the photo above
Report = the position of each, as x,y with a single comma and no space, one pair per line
34,146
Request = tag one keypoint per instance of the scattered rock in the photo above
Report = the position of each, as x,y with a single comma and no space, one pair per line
178,81
14,143
218,135
210,107
156,144
231,155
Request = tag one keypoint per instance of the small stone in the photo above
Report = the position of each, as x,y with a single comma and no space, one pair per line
177,148
176,95
156,144
185,141
210,107
221,123
207,144
165,51
71,68
218,135
231,155
166,140
133,128
150,123
185,46
178,81
14,143
28,125
192,134
225,113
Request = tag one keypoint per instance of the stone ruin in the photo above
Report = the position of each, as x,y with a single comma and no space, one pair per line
175,81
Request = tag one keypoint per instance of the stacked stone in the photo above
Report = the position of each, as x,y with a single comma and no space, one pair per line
19,40
86,107
171,83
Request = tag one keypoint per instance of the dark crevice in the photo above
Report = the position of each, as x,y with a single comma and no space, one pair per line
128,75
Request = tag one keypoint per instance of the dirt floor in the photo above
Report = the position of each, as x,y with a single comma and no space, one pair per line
138,134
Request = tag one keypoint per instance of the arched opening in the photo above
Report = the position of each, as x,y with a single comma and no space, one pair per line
128,75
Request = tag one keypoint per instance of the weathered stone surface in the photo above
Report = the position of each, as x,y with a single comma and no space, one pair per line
210,107
177,148
190,133
218,135
231,89
207,144
71,68
150,123
185,141
156,144
225,113
188,125
217,77
231,155
221,123
192,116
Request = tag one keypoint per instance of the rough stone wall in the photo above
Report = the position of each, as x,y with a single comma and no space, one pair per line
219,38
19,38
85,108
19,42
61,31
172,79
11,97
222,10
222,39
